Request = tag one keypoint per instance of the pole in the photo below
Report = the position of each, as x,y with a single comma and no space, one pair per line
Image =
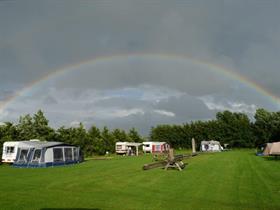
193,146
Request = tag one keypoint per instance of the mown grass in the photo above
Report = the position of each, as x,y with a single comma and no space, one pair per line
229,180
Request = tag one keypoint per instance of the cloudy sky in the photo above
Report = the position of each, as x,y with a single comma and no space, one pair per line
131,63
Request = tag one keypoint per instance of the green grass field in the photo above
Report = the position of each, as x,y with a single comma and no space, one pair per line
229,180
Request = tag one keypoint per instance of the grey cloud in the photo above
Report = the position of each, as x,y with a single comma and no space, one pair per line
187,108
39,37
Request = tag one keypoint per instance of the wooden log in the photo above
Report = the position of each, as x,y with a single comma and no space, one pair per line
171,162
154,165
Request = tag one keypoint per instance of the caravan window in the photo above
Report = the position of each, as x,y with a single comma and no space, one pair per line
157,148
68,154
57,155
36,156
10,150
23,155
119,147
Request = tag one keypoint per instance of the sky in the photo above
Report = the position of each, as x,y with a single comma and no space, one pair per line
131,63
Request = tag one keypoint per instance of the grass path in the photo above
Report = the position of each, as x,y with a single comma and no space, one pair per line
230,180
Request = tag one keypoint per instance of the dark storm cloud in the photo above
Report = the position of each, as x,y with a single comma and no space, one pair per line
38,37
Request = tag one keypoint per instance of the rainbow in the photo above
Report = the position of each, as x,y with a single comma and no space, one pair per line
212,67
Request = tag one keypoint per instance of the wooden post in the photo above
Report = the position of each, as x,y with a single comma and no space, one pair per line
136,150
193,146
170,155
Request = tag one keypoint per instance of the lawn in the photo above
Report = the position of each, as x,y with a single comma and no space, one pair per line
229,180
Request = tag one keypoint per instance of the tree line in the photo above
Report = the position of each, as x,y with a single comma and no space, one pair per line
231,128
91,141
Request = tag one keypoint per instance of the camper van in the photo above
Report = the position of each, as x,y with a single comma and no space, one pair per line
155,147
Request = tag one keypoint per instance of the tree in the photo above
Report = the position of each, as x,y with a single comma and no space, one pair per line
134,135
25,128
41,127
94,140
236,129
266,126
120,135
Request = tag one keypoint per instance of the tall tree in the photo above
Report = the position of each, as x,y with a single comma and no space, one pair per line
108,141
120,135
94,140
25,128
134,135
41,127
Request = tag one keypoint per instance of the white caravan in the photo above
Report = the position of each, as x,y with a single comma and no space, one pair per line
10,150
211,146
155,147
129,148
121,147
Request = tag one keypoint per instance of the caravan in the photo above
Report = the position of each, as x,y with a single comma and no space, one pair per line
155,147
10,150
33,154
36,153
127,148
211,146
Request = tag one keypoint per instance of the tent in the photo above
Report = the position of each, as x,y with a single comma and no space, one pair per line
44,154
211,146
272,149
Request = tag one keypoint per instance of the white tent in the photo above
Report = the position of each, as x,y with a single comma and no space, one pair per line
272,149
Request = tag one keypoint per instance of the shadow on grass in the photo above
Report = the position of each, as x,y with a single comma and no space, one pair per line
69,209
272,158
